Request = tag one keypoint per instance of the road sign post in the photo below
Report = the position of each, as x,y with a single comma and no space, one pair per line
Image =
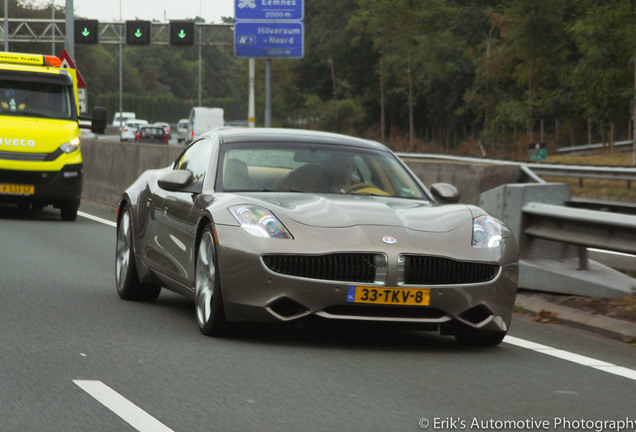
537,151
268,30
82,96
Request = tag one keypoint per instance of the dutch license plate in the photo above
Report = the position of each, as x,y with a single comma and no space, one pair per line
16,189
389,296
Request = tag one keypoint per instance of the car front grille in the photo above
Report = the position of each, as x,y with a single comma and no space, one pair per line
30,157
348,267
431,270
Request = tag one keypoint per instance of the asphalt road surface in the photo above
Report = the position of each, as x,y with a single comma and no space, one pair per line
74,357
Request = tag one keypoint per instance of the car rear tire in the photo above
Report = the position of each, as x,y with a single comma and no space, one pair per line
480,338
208,299
128,285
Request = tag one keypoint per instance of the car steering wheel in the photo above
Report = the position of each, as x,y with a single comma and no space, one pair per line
359,186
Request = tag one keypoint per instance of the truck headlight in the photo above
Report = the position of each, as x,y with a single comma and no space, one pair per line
259,222
70,146
487,232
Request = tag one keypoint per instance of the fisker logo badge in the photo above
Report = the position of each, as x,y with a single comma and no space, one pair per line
389,240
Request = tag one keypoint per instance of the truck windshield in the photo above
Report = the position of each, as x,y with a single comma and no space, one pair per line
36,99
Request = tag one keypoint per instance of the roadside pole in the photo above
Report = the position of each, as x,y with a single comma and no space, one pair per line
6,25
70,29
268,93
251,116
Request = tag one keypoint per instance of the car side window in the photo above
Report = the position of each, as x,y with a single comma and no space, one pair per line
196,160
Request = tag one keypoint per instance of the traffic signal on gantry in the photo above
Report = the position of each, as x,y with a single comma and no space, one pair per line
138,32
86,31
182,33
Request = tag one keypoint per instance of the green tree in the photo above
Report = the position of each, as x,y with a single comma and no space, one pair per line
603,78
535,40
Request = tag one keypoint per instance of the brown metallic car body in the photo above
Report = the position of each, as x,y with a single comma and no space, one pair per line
338,242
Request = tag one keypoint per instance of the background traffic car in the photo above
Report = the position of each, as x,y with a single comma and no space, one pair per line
275,225
182,130
152,134
166,127
129,132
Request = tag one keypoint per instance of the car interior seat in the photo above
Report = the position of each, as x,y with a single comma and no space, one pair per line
236,175
306,178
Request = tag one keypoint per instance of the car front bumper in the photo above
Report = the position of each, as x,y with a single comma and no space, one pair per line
252,292
49,187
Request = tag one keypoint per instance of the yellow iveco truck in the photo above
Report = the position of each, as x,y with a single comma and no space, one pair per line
40,158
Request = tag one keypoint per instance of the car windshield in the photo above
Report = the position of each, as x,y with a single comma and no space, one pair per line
314,168
35,99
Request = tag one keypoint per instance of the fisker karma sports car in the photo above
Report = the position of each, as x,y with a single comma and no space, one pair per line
281,225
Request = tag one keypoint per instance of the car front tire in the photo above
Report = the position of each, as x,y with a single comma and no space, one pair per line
128,285
208,300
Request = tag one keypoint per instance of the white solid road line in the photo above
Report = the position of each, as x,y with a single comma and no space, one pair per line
544,349
121,406
97,219
574,358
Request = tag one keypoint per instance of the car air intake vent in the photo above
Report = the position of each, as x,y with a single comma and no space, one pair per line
430,270
349,267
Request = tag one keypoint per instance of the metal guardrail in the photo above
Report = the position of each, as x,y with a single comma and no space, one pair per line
533,170
582,228
579,171
623,146
602,205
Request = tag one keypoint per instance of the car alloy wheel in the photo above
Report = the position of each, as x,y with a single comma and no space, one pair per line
128,285
209,309
123,251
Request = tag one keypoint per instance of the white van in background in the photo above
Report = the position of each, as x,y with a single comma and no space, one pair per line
117,120
203,119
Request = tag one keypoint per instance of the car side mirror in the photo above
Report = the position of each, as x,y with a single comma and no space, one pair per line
446,192
177,181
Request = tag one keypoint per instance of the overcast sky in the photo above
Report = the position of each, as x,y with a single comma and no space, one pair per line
108,10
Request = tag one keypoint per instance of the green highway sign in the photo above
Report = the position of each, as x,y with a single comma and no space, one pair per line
537,151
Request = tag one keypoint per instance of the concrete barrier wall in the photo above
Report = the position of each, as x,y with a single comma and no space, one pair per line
472,179
111,166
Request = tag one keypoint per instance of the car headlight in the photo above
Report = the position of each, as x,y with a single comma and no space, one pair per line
70,146
259,222
487,232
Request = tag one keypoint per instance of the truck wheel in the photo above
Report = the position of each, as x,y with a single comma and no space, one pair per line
68,210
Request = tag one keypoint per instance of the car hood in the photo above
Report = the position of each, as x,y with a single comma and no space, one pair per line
339,211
